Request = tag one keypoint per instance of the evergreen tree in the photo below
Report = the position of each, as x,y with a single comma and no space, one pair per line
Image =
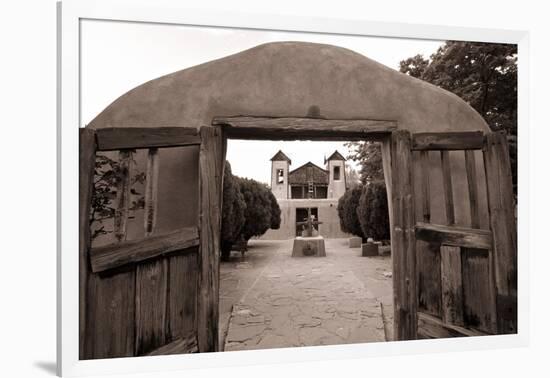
347,211
275,212
232,211
373,213
257,197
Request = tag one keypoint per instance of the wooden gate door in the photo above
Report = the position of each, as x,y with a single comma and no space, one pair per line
453,277
159,294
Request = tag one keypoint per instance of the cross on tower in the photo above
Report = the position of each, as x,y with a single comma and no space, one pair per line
309,223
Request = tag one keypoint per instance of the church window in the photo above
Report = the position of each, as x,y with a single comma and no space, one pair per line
336,173
280,176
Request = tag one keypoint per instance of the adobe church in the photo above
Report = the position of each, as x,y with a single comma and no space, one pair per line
308,186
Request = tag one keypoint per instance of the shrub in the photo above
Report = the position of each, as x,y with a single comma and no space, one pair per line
275,212
257,197
347,211
372,211
232,211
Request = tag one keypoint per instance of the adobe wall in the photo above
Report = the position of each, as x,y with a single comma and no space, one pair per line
328,214
286,79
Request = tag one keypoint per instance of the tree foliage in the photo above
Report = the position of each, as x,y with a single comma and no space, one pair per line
258,212
347,211
482,74
352,176
275,212
369,157
373,213
232,211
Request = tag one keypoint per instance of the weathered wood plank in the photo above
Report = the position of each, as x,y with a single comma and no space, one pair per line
448,187
120,138
289,128
454,236
479,304
118,254
471,175
465,140
403,238
428,277
87,151
430,327
181,345
425,185
451,285
111,326
151,191
182,296
211,165
151,288
123,196
503,225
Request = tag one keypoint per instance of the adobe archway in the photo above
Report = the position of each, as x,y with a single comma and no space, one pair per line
281,81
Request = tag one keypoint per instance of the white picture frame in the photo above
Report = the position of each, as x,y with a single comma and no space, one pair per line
70,14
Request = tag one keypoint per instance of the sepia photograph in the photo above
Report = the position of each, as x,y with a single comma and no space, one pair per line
247,189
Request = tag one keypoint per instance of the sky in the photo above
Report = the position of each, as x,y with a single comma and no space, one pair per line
118,56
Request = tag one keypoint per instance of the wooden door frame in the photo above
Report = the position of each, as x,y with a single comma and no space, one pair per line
396,155
397,147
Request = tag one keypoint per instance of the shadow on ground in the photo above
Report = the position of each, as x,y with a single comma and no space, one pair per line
47,366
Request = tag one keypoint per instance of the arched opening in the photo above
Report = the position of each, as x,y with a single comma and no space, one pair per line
449,192
260,305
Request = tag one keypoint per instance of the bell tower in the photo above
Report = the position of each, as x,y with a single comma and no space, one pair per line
336,166
279,175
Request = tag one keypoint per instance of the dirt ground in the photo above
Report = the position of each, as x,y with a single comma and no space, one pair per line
270,300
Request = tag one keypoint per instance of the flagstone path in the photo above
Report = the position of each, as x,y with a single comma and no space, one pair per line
271,300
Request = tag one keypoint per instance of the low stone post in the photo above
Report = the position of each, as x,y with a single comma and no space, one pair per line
355,242
369,248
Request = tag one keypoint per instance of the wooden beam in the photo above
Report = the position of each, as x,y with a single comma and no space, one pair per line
111,315
451,285
121,138
150,302
471,174
425,185
466,140
151,191
293,128
403,238
123,196
454,235
129,252
448,187
211,165
87,151
181,345
503,225
428,278
430,327
478,290
181,315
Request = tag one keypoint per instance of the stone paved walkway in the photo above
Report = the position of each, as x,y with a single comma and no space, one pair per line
271,300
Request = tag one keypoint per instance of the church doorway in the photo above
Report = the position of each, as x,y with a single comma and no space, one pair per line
301,216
